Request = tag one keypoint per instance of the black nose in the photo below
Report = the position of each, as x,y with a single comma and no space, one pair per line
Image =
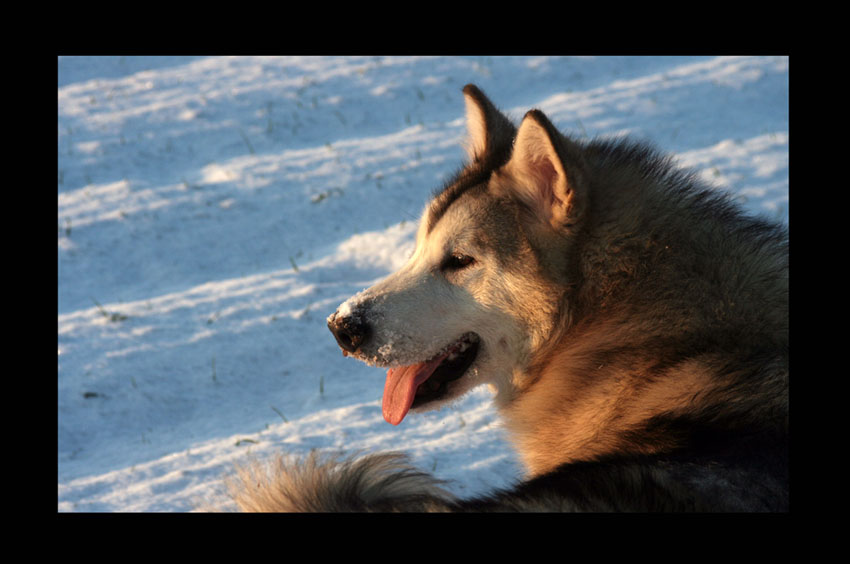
350,331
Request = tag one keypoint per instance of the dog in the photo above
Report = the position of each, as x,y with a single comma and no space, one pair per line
631,321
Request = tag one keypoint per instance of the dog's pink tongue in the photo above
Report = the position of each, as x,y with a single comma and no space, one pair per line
400,388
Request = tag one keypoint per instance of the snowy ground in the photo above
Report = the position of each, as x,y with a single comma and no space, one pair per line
213,211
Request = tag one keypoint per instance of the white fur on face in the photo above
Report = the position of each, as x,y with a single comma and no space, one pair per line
415,313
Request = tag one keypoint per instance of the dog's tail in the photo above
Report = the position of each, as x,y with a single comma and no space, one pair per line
379,482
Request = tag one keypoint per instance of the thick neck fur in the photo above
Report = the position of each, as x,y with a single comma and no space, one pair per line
676,297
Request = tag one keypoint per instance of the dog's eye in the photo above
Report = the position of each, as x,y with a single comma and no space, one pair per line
456,261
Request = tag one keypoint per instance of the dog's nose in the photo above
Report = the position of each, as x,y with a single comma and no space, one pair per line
350,331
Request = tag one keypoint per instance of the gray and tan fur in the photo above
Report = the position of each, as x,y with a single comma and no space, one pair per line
632,322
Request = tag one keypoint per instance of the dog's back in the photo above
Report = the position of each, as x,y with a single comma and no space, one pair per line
750,475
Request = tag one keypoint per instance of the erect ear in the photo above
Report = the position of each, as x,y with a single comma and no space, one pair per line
488,130
545,172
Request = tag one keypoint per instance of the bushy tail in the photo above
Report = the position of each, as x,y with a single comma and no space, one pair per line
379,482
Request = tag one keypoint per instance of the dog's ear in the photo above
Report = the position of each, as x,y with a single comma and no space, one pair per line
546,172
488,130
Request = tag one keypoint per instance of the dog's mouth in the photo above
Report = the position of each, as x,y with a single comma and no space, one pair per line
418,384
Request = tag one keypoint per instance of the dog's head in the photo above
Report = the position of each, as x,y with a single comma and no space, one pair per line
484,288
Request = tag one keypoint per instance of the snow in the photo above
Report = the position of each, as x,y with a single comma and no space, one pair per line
213,211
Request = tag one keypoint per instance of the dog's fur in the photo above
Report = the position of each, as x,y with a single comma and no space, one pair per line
632,322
